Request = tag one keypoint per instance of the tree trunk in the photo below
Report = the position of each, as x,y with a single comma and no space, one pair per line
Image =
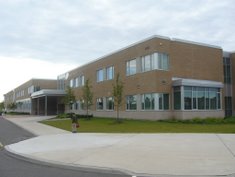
118,114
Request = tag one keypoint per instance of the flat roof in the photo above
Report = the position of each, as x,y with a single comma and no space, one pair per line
139,42
48,92
196,83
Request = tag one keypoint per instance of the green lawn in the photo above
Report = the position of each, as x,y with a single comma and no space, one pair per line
106,125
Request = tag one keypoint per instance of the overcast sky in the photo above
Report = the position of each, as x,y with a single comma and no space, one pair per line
45,38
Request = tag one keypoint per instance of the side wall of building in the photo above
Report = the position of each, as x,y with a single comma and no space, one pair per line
21,95
186,60
233,81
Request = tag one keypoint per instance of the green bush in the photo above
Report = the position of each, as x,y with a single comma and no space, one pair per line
70,115
208,120
18,113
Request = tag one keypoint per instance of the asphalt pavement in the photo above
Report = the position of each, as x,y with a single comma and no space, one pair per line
13,165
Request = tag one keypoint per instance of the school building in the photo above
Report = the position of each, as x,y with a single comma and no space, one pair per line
163,78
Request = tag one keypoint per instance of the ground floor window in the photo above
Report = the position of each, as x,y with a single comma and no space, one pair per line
99,104
228,106
155,101
131,102
197,98
109,103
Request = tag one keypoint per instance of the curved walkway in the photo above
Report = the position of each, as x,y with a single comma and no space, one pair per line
136,154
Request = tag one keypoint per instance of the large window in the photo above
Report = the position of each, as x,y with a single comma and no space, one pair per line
100,75
198,98
110,73
99,104
131,67
155,101
227,70
131,102
155,61
177,98
187,97
109,103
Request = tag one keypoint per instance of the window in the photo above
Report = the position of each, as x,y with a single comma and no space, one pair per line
147,102
228,106
201,98
80,81
227,70
187,98
177,98
99,104
71,83
76,82
198,98
100,75
155,101
76,105
212,97
110,73
131,102
166,101
131,67
155,61
146,63
163,61
31,89
109,103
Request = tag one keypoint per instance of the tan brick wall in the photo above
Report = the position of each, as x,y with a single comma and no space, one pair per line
42,83
233,80
186,60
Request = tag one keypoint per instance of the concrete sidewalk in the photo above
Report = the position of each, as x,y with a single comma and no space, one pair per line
136,154
31,124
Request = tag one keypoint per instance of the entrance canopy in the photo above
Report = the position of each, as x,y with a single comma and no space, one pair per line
196,83
48,92
47,102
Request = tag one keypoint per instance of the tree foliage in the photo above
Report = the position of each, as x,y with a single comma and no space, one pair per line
87,96
12,106
69,98
2,107
117,94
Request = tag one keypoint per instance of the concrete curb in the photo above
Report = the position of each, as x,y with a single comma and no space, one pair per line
61,165
87,168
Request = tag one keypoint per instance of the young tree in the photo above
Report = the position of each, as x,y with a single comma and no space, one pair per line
69,98
12,106
87,96
2,107
117,94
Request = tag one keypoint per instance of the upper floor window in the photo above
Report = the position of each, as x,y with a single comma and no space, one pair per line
79,81
227,70
31,89
155,61
71,84
110,73
131,67
100,75
146,63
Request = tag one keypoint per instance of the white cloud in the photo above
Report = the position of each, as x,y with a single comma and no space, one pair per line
78,31
16,71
